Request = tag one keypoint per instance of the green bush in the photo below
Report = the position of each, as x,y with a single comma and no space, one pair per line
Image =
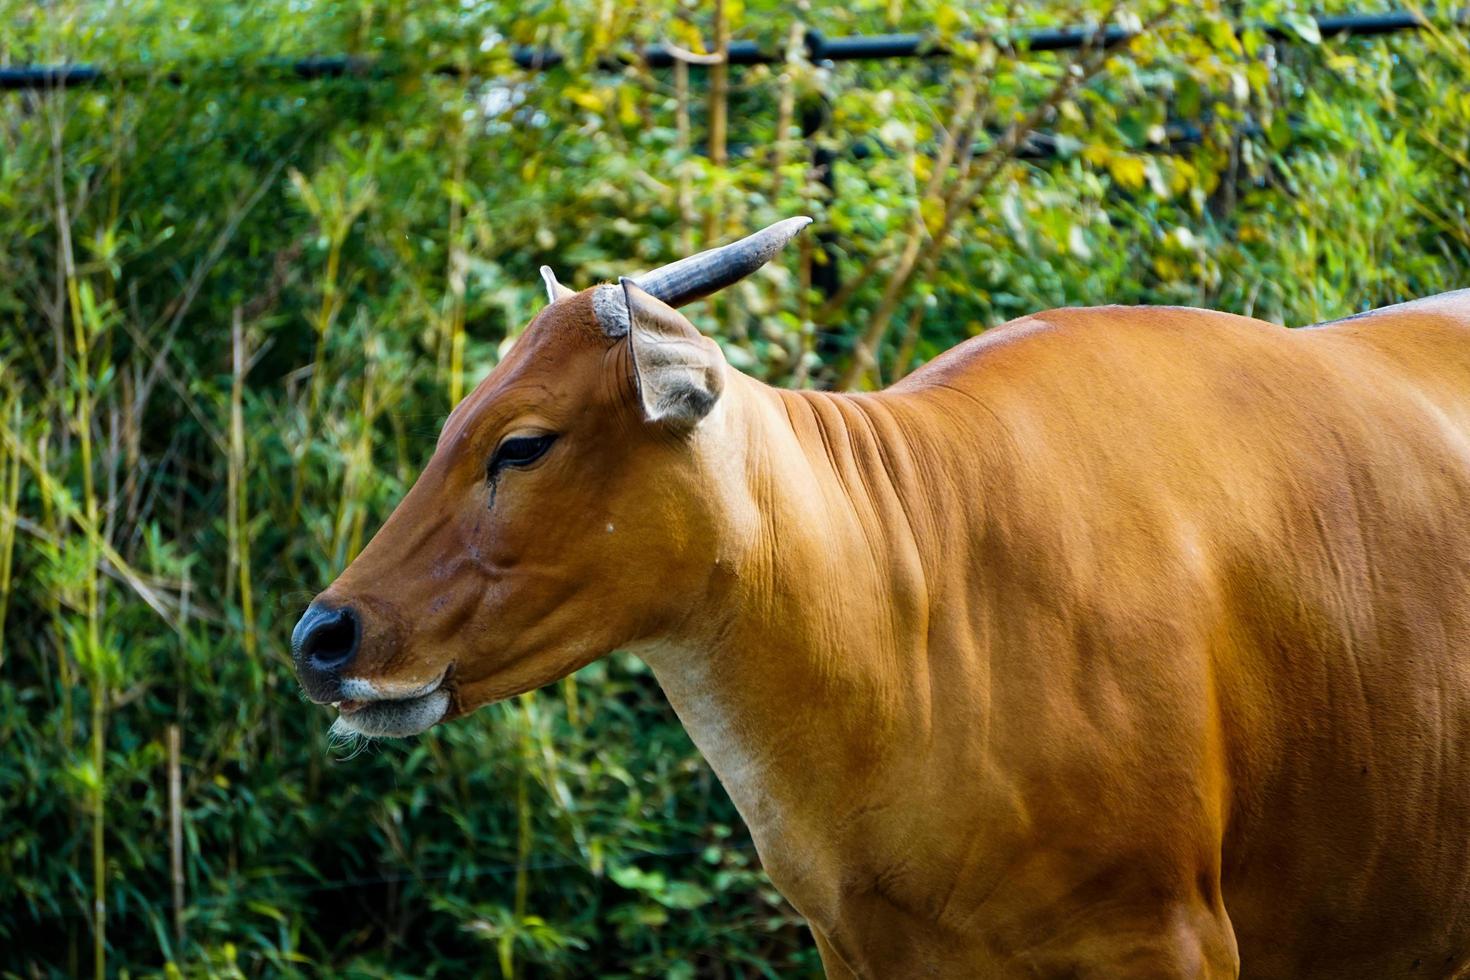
235,308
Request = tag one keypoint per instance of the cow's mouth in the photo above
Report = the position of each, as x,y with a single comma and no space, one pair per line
390,714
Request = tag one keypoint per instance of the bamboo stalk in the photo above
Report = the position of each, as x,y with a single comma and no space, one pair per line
524,827
239,531
685,202
686,189
569,695
786,106
326,315
9,511
719,88
51,523
352,514
176,834
458,263
99,847
718,108
82,421
719,98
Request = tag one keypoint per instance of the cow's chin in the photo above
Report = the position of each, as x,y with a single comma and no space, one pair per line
391,717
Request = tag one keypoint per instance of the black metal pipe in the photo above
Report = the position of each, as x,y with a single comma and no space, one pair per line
1355,25
870,47
310,68
1069,38
879,47
47,77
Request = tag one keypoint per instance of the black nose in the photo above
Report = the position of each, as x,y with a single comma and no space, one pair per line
324,642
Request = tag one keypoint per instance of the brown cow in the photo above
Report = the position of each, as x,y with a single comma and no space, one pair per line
1115,642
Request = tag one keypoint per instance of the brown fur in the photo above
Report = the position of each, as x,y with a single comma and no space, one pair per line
1115,642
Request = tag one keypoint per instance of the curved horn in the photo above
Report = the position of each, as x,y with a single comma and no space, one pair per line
699,275
554,289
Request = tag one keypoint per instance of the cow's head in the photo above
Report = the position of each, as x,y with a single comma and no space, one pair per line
567,511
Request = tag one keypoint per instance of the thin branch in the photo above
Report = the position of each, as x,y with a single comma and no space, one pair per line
206,265
963,193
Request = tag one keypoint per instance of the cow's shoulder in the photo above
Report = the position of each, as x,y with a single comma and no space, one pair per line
1081,338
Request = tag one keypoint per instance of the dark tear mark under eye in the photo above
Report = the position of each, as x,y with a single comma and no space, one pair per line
515,452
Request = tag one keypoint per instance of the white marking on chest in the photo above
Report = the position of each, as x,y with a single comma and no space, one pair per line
713,723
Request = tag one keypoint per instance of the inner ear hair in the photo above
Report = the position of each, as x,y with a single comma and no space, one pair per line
679,373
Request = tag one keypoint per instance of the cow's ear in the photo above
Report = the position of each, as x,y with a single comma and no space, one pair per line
678,372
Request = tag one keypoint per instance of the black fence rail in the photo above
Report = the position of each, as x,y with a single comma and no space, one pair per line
819,48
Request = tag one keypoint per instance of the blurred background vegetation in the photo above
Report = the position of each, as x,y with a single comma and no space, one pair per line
235,307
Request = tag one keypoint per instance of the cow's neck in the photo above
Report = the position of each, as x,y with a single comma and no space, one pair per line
805,682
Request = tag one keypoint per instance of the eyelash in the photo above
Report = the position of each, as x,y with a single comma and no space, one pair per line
527,450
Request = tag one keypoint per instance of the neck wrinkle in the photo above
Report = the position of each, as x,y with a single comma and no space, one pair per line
840,563
805,677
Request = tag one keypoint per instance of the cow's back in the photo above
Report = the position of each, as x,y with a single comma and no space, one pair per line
1276,522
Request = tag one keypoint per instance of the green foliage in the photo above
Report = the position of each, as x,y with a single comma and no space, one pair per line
235,309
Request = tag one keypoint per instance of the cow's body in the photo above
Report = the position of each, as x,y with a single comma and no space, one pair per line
1111,641
1115,642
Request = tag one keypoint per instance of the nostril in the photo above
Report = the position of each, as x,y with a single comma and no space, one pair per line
330,640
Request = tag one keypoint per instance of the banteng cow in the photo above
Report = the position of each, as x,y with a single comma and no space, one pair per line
1114,642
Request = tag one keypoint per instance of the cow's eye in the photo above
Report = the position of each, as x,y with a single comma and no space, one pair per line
520,451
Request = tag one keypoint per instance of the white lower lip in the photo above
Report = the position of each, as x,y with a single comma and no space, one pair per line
384,714
394,718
